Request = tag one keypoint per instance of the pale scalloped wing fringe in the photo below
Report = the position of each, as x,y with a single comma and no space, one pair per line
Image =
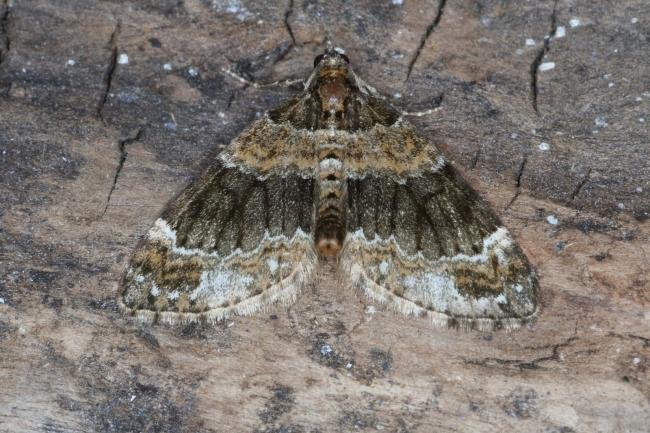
287,295
375,292
285,292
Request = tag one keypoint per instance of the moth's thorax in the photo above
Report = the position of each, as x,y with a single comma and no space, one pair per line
333,91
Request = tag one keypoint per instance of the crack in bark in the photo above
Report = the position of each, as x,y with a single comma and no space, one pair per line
362,320
534,67
645,340
430,28
231,99
579,186
110,71
4,30
283,54
287,14
520,173
354,328
289,30
477,155
532,364
122,144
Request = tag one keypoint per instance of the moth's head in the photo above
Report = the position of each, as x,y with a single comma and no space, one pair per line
332,59
331,81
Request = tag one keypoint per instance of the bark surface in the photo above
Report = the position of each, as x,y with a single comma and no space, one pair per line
108,109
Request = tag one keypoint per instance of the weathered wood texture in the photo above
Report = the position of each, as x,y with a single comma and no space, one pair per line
92,146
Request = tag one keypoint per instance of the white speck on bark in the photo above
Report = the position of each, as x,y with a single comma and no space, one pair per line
546,66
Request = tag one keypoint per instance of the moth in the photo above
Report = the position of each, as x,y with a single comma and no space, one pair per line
336,175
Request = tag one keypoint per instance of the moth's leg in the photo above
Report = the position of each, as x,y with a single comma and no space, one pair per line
421,113
279,83
436,106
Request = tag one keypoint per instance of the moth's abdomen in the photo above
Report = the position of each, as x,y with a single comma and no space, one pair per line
330,210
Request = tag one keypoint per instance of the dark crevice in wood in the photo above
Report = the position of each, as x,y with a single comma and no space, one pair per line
644,340
122,144
110,71
532,364
520,173
231,99
425,36
579,187
4,30
477,155
287,25
534,67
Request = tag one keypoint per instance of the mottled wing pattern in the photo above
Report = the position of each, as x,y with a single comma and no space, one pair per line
334,173
424,242
234,241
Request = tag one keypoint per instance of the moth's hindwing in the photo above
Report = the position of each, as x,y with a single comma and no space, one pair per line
427,245
233,242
